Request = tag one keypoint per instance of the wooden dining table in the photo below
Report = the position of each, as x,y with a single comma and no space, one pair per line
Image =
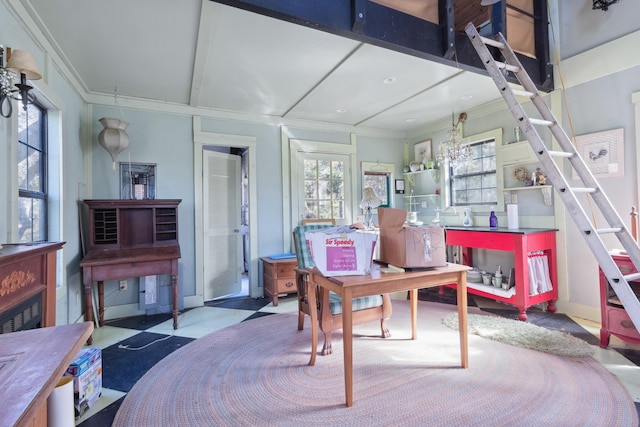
380,282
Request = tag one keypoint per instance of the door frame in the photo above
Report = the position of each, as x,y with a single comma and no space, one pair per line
200,139
291,148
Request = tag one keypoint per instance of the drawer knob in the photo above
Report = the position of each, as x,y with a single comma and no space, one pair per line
289,284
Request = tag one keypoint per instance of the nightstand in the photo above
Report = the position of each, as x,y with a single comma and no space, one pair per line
279,277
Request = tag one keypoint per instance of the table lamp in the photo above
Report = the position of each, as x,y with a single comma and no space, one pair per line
369,202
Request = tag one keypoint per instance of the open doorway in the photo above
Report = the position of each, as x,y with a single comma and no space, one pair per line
225,196
233,238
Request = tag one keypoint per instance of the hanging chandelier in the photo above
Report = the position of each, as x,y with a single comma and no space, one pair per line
453,150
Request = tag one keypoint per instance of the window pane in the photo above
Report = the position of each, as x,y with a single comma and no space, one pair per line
31,170
489,195
38,220
338,209
325,209
324,192
310,209
31,220
338,190
310,169
489,180
22,166
338,170
324,169
34,181
474,182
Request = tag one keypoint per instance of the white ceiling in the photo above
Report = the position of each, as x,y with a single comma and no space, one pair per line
203,54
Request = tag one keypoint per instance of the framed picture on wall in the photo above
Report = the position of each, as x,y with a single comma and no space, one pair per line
603,153
423,151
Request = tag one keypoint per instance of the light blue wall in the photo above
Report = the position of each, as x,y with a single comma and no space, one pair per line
582,28
600,105
73,188
167,141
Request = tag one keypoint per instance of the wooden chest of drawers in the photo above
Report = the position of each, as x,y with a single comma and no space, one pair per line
279,277
615,320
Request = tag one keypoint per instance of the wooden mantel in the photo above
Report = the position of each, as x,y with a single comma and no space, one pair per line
25,271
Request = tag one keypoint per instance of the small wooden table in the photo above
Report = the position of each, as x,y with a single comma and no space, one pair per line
32,363
377,282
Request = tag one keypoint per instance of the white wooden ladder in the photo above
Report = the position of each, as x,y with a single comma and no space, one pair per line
569,195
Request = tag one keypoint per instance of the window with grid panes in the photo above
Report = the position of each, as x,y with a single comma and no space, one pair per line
324,189
474,182
32,157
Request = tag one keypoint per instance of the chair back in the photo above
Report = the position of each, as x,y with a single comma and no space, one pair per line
303,254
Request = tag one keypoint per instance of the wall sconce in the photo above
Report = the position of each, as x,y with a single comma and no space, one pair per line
19,63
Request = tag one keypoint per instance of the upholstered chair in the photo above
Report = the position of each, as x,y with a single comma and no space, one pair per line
365,309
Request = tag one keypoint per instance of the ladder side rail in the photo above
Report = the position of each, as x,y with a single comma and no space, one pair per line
555,177
610,269
505,90
576,161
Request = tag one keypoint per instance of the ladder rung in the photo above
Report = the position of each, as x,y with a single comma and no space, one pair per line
541,122
608,230
584,190
561,154
632,277
525,93
509,67
492,42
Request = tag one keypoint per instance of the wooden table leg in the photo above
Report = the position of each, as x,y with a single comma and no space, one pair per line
310,291
413,297
347,341
100,302
462,318
174,282
88,310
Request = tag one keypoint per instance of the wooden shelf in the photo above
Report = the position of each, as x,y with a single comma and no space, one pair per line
132,223
544,189
411,176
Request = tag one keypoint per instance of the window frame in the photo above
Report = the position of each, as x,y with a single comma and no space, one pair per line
497,136
292,149
43,195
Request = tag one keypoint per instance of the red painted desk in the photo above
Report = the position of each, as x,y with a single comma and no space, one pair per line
520,242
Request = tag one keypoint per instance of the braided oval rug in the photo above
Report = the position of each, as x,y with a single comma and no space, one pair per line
255,373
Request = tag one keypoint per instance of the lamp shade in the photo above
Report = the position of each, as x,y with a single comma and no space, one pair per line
369,199
22,62
113,137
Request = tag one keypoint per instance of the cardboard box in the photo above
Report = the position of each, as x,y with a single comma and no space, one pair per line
408,246
86,370
340,251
